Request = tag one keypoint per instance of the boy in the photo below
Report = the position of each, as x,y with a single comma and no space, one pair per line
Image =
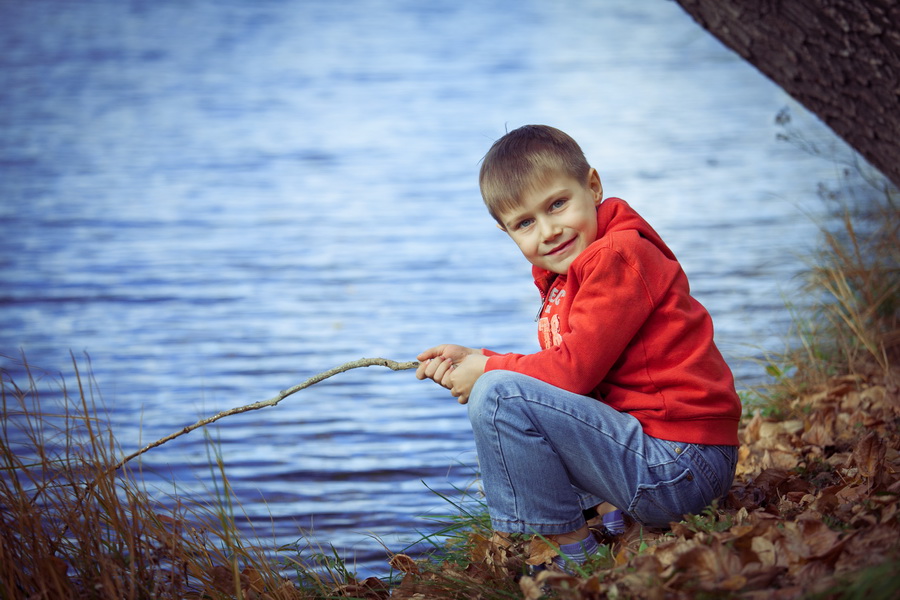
629,402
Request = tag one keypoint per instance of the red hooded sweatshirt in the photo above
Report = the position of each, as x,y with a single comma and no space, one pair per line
621,326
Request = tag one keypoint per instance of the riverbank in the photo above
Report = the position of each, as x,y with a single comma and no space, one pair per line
813,512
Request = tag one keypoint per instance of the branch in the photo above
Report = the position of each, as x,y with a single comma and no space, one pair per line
362,362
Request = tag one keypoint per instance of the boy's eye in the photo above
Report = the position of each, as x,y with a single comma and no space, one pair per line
559,203
524,223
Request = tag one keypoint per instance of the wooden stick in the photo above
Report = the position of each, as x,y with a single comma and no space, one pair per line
355,364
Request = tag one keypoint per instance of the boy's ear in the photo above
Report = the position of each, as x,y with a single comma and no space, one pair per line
595,186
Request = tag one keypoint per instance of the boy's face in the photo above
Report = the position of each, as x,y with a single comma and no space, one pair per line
555,221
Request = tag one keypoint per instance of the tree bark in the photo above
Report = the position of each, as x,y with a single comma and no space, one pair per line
838,58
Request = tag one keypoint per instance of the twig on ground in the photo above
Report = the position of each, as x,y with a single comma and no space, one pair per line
355,364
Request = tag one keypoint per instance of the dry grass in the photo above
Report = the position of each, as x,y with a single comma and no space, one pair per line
852,326
859,271
73,528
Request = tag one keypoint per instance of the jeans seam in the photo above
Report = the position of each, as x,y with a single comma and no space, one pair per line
587,424
507,482
645,495
702,465
515,500
498,523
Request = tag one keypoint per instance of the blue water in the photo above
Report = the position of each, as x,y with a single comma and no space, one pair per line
216,200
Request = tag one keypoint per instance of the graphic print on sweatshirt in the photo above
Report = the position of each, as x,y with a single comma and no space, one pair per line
549,324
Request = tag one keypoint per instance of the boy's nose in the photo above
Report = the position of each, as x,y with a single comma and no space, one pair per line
549,230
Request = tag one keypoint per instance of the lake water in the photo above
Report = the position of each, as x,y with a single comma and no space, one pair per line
217,200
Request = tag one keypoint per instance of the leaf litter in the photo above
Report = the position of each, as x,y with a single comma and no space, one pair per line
813,512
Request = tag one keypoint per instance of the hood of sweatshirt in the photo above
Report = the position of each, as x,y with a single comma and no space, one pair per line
614,215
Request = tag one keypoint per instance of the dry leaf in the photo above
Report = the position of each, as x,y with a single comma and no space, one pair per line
751,430
764,550
404,564
868,455
819,434
541,551
530,589
371,588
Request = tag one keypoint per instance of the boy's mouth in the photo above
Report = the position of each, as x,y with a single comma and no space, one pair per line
561,248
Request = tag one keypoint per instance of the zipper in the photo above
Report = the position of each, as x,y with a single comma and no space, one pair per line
545,297
541,309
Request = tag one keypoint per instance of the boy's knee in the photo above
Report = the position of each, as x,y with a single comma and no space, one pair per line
492,384
481,392
488,389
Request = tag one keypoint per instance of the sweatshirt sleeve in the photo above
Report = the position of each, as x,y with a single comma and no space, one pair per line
613,301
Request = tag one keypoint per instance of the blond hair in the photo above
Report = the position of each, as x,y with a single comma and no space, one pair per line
523,159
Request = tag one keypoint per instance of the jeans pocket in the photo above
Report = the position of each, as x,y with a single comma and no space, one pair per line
717,465
657,505
731,456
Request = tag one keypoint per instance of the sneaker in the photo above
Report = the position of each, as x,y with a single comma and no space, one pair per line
614,522
576,553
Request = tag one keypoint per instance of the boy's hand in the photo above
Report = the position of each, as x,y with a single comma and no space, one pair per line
435,363
454,367
464,375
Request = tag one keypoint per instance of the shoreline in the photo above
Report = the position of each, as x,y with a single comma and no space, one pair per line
814,511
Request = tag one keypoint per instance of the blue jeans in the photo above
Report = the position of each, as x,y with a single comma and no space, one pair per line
546,455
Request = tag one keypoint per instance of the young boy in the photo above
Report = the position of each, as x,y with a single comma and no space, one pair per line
629,402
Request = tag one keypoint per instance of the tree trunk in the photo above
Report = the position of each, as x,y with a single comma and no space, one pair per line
839,58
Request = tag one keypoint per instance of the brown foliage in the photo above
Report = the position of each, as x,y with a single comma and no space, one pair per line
813,504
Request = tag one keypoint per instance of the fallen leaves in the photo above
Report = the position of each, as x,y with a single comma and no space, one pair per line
815,501
541,551
248,583
404,564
